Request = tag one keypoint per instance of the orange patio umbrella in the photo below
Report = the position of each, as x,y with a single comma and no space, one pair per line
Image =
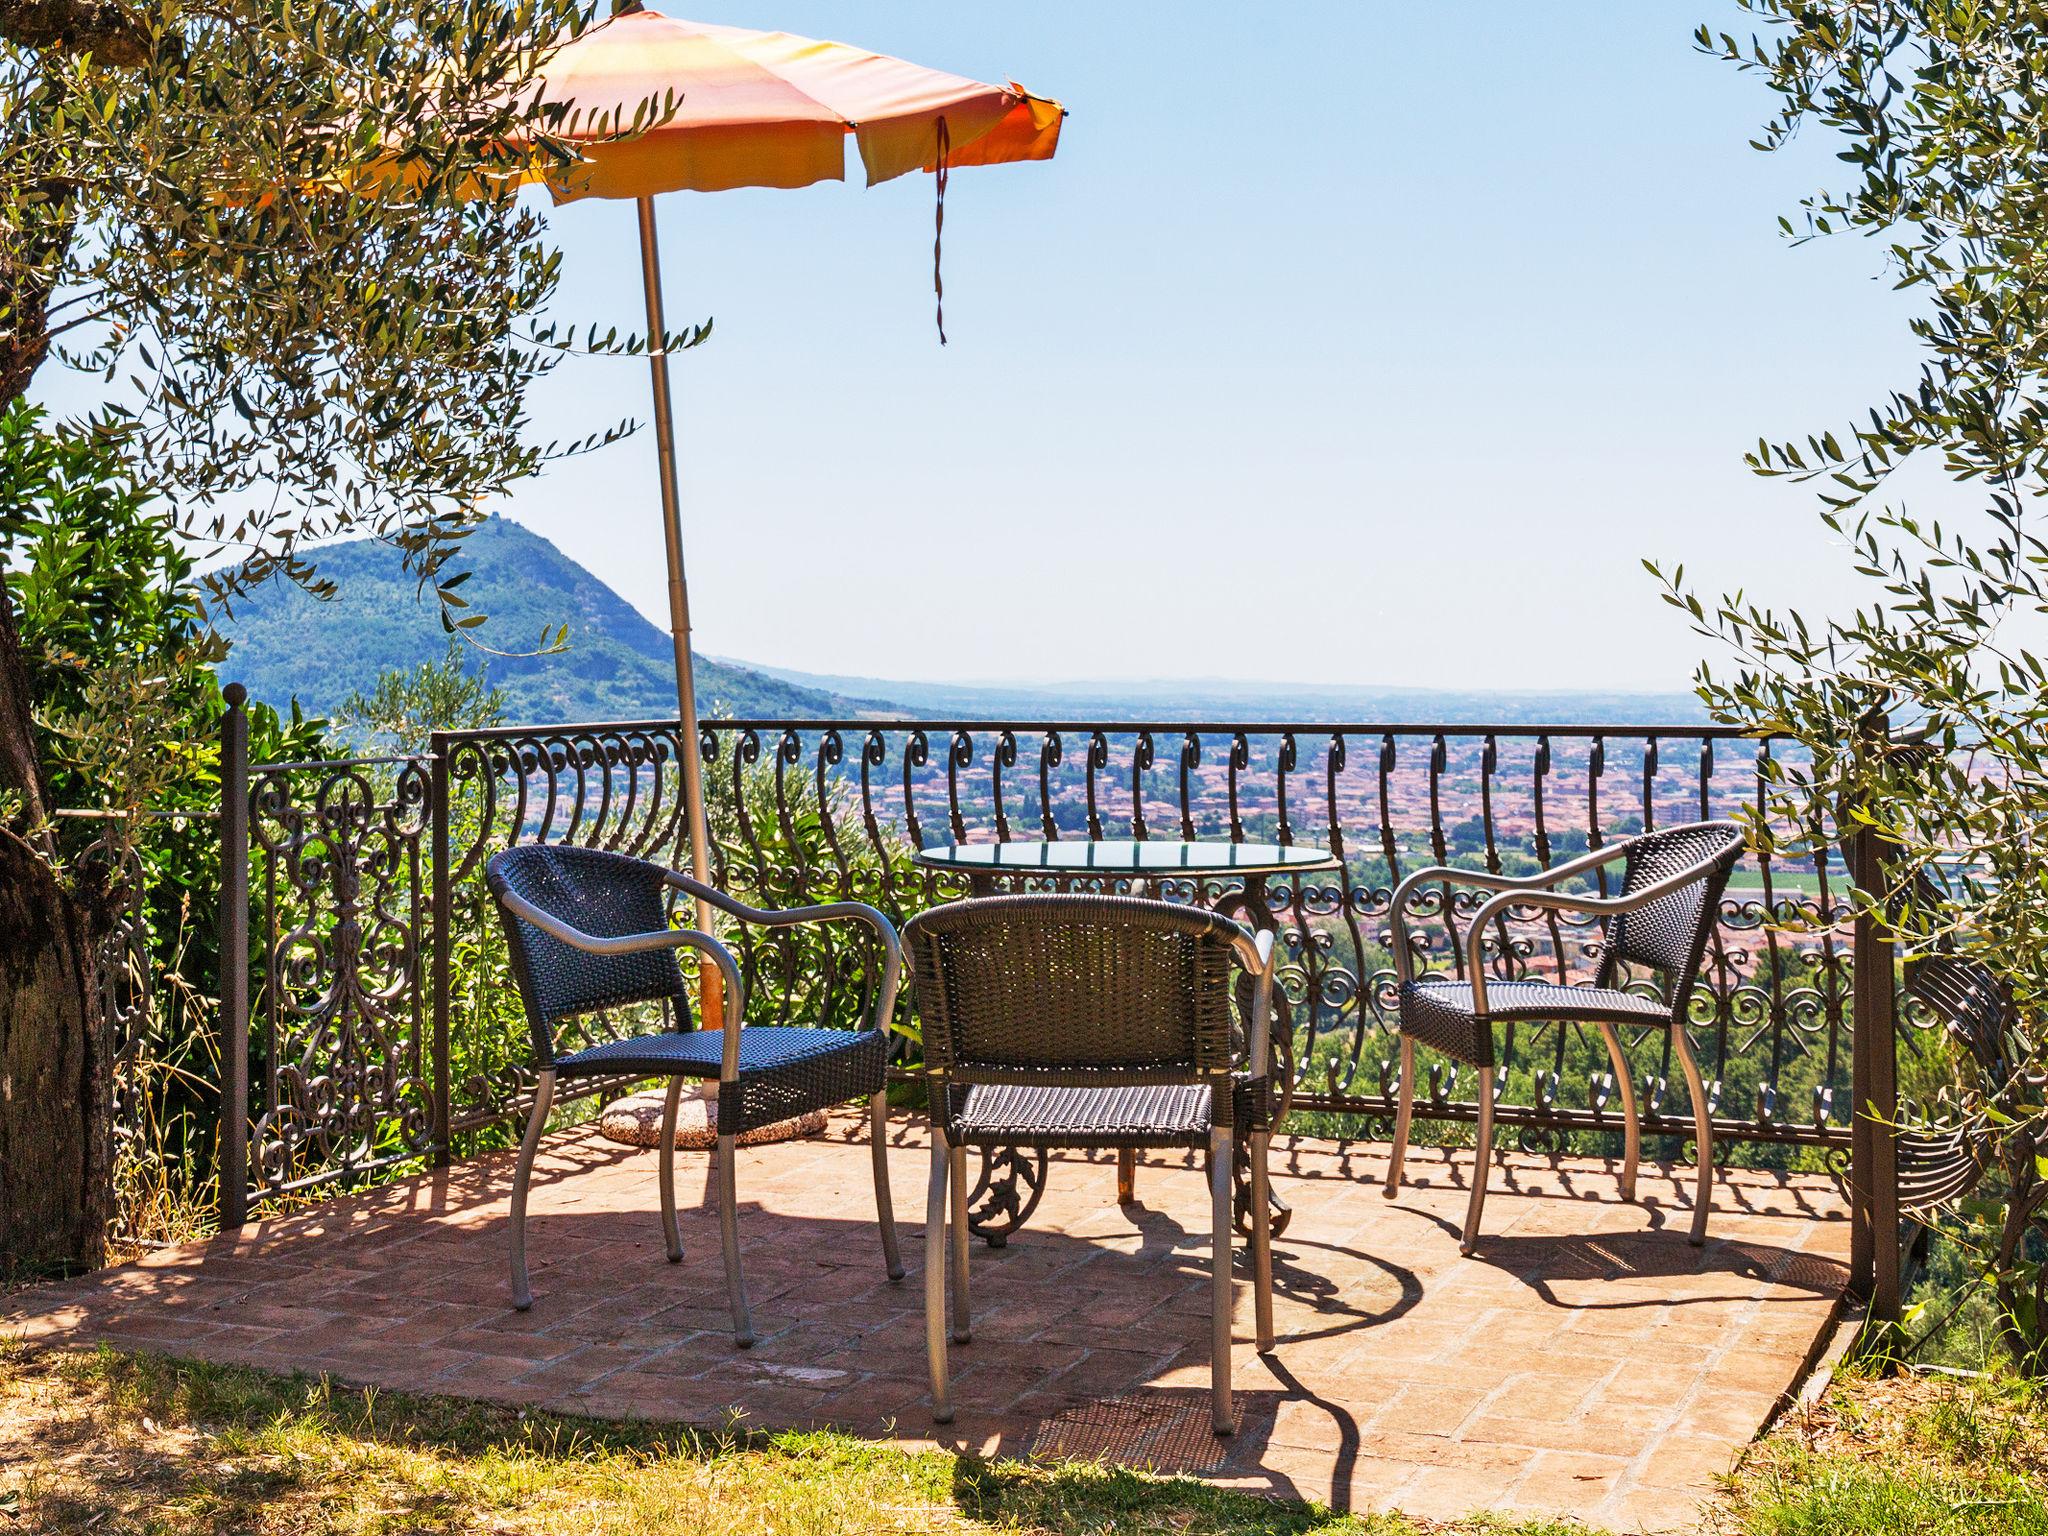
731,107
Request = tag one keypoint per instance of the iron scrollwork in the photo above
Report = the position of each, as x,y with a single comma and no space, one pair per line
341,1045
342,869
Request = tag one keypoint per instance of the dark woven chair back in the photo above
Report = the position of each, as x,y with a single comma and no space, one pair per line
1670,934
1027,988
1974,1004
608,895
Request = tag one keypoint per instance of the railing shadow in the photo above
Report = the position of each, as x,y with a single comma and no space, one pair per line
1592,1263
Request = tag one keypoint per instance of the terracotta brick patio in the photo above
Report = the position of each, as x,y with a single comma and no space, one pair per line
1586,1362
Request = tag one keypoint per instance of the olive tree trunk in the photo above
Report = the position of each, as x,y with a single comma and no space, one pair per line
56,1167
56,1170
56,1186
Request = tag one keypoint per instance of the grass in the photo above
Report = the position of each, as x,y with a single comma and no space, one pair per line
119,1443
1914,1455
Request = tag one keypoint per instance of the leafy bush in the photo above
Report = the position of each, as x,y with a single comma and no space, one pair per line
406,705
819,974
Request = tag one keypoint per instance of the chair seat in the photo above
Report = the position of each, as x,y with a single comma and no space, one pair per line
1439,1013
698,1052
784,1070
1174,1115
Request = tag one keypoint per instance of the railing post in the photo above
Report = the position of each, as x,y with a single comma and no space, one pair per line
443,906
233,1144
1874,1257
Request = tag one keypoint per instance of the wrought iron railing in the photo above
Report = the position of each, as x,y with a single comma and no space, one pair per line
156,1003
381,1030
338,888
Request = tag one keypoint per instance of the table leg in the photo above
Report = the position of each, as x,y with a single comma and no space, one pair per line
1005,1193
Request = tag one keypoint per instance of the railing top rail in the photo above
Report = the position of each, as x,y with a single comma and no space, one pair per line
1697,732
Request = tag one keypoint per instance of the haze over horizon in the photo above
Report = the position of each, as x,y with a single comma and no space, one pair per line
1216,683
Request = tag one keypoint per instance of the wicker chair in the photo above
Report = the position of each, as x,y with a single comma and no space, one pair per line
1938,1163
1669,899
1079,1021
589,932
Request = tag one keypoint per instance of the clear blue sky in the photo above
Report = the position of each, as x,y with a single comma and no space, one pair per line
1343,342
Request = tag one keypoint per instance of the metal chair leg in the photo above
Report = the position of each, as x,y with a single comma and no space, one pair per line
522,1176
885,1205
669,1229
1632,1133
1483,1173
729,1239
957,1246
1221,1417
1262,1242
1703,1134
1404,1114
1126,1176
935,1279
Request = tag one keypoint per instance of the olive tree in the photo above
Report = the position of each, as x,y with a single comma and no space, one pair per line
1939,112
280,235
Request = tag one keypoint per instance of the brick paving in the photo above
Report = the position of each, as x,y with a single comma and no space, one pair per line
1586,1362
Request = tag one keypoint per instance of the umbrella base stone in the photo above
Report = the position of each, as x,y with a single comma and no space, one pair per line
635,1121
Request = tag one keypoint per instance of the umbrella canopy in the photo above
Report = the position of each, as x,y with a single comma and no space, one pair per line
721,107
769,109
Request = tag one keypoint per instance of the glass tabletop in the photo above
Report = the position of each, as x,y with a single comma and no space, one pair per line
1150,859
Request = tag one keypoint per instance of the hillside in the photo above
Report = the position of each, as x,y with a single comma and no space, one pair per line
617,666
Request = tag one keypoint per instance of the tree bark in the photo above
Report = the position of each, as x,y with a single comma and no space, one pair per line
56,1170
21,762
43,209
2020,1286
56,1104
103,28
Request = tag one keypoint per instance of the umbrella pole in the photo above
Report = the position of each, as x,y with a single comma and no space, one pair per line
711,1014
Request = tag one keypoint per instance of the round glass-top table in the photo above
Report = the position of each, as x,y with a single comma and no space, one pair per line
1011,1181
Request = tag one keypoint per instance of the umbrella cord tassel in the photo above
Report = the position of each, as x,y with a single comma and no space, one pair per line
940,171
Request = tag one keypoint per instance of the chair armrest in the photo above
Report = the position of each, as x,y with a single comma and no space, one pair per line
1445,874
1258,951
1561,901
855,911
1486,879
1449,874
642,943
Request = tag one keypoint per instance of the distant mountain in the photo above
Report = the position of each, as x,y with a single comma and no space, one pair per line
617,666
1228,701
